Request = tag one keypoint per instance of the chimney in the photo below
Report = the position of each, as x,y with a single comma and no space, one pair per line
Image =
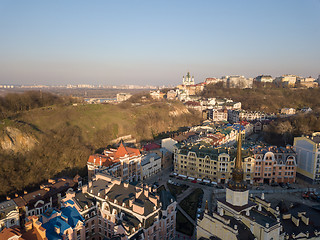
57,229
8,198
25,192
259,207
262,196
16,195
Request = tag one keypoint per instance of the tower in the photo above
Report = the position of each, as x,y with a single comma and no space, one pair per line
237,192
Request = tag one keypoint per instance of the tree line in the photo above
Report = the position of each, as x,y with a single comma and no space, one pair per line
17,102
267,98
283,130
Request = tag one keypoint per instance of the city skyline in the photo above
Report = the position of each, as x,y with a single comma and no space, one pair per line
152,43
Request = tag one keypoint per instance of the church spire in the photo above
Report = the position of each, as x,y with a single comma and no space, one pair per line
239,150
237,182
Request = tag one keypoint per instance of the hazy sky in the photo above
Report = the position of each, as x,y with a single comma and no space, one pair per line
155,42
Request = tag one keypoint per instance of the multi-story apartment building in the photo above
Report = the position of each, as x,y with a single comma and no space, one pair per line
237,81
217,115
66,223
308,157
235,115
209,163
112,208
150,164
307,82
264,79
124,162
9,214
274,164
48,196
288,80
123,97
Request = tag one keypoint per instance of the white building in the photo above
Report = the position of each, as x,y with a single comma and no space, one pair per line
9,214
237,81
168,143
123,97
264,79
151,164
308,157
188,80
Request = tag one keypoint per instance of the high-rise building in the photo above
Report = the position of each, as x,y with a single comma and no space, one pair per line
308,157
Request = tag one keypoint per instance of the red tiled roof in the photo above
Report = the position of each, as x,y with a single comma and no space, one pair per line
105,160
113,157
151,146
122,151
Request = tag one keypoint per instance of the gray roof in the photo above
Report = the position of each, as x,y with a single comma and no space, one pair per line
84,199
311,213
146,158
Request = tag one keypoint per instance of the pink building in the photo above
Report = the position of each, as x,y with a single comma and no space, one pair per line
274,164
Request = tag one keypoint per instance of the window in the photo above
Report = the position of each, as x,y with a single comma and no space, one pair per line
12,221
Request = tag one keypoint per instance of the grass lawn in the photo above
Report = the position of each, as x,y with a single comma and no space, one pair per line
183,225
190,203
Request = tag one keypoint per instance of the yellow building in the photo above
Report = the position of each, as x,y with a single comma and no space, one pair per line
210,163
237,216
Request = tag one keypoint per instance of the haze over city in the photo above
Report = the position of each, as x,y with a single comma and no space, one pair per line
148,42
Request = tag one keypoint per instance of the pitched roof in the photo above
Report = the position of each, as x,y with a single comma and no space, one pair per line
7,233
122,151
105,160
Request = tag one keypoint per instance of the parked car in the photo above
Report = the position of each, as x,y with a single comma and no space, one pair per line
274,184
313,195
194,181
306,195
220,186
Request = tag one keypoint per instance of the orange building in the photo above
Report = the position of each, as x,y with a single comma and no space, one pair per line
124,162
274,164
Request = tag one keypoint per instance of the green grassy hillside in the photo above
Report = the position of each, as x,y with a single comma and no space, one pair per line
67,135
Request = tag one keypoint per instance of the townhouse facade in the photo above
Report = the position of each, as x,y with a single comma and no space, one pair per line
274,164
209,163
9,214
118,210
217,115
48,196
150,164
308,157
234,116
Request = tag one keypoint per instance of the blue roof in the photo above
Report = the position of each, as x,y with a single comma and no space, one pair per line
70,201
50,228
72,216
